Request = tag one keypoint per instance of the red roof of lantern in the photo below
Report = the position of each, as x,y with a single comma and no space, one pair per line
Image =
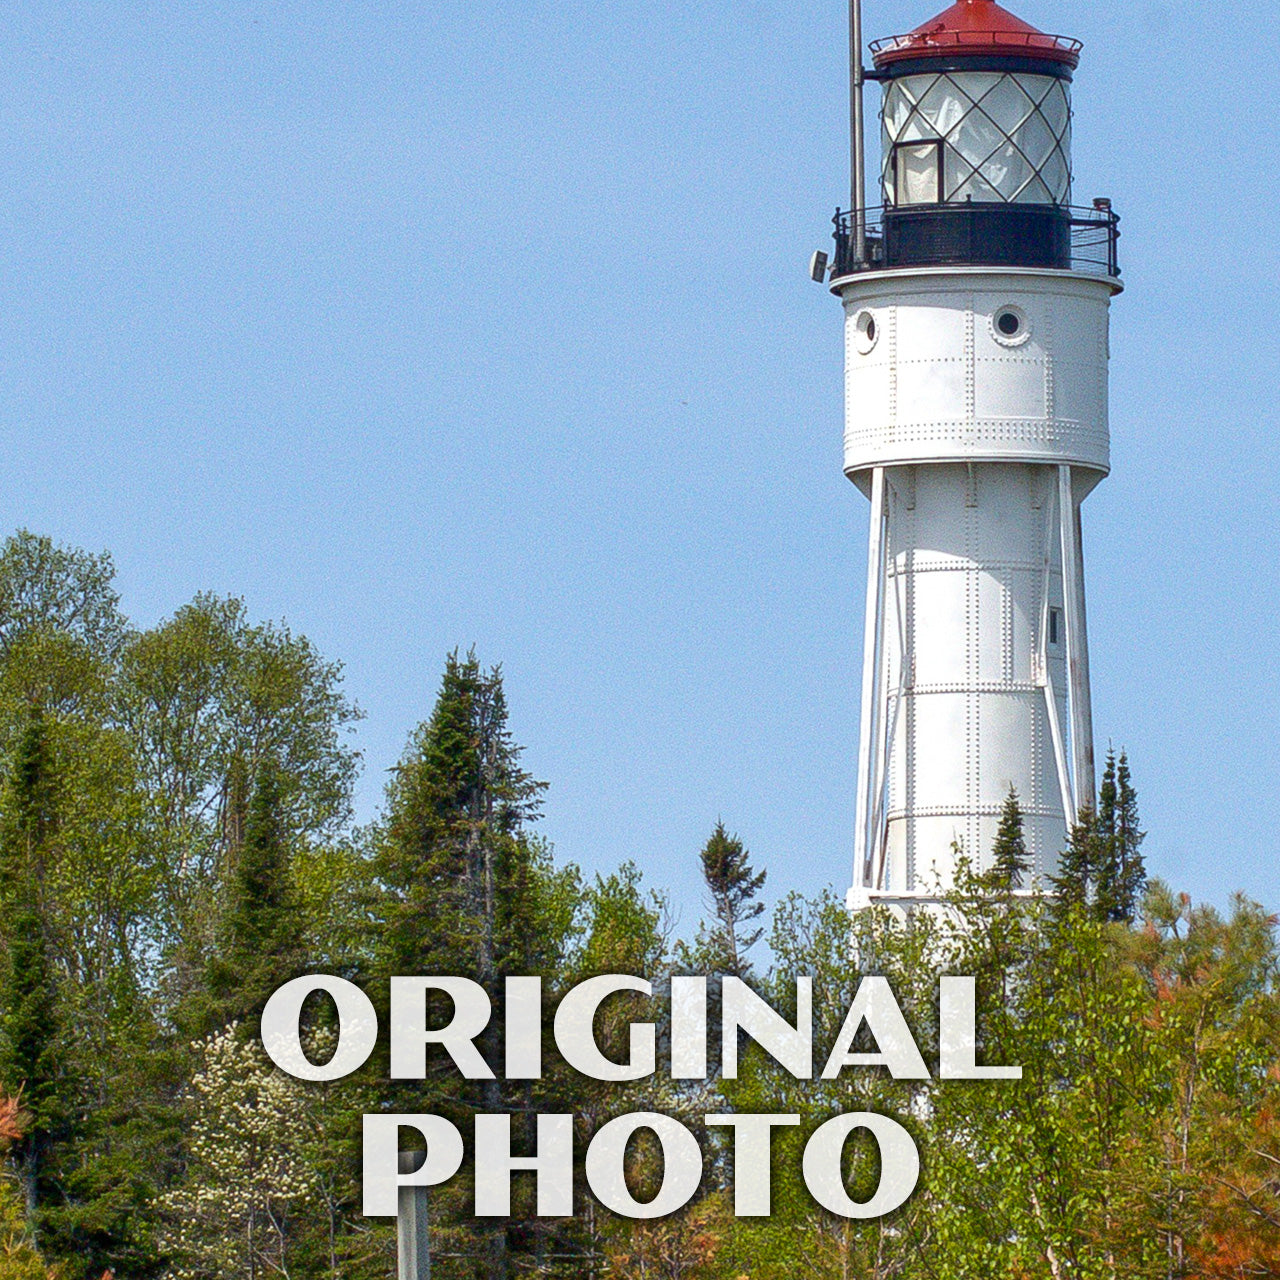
976,27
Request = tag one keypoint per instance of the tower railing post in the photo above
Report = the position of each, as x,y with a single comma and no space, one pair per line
413,1242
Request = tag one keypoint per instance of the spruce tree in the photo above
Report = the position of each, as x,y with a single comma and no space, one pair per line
461,885
259,939
1009,860
454,846
733,885
1121,872
1106,899
1132,877
32,1047
1076,883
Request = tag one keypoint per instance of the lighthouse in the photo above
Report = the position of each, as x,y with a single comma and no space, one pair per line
976,300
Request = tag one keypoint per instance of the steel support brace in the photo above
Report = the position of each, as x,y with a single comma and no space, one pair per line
1077,644
1045,676
878,849
865,841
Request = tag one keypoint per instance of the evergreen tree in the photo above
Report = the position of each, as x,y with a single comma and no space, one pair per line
464,886
454,844
1076,883
1106,898
32,1049
260,945
1009,860
733,885
1132,878
1120,873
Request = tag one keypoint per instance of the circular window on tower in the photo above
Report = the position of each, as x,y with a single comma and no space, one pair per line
866,329
1010,326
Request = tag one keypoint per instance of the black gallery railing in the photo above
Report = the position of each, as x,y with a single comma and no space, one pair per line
979,234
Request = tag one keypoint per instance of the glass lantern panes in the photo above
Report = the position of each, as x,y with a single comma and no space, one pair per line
1005,137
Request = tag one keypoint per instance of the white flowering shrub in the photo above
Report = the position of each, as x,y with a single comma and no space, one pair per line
248,1174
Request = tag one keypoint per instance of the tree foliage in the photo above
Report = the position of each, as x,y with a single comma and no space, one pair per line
732,884
1009,860
176,841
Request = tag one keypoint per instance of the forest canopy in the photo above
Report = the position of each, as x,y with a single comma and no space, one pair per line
177,841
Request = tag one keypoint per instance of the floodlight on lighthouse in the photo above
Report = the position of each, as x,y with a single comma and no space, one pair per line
976,301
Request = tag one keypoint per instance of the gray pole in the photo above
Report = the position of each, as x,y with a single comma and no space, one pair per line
857,164
413,1244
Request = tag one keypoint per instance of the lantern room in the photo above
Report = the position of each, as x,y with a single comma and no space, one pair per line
976,138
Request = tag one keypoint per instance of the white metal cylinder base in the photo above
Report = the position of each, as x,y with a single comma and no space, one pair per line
976,422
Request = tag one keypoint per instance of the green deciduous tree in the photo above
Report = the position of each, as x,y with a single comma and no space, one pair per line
45,588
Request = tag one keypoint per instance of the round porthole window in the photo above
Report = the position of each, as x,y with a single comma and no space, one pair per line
866,331
1010,326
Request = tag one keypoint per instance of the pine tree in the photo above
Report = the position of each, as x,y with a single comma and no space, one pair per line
1010,862
733,885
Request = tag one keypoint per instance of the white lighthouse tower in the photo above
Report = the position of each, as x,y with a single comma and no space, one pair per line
976,301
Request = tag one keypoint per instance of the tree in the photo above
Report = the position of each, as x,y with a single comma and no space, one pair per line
260,946
817,938
48,588
733,885
248,1178
453,845
464,888
1108,897
1009,861
19,1259
1131,878
1102,866
32,1047
624,930
208,698
1076,881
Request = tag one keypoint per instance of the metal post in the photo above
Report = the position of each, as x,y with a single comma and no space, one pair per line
857,163
413,1242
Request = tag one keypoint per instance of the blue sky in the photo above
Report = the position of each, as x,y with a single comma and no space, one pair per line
425,326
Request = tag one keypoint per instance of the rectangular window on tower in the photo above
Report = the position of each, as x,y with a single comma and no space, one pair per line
1055,623
917,172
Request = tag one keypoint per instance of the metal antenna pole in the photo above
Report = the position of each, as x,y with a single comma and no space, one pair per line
857,163
413,1243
